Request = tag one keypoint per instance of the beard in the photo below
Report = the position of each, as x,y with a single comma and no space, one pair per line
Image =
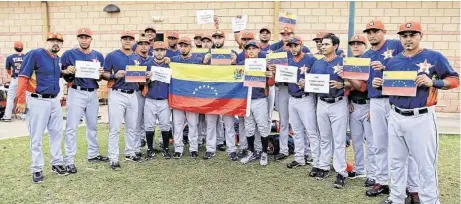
55,49
265,41
198,46
218,45
18,49
84,47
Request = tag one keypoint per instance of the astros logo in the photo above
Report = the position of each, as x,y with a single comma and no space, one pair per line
136,62
356,37
83,31
371,23
408,25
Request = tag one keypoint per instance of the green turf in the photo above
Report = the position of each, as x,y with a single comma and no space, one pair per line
189,181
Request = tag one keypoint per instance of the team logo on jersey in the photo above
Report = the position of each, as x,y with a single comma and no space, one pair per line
136,62
388,53
424,66
408,25
238,73
337,68
303,69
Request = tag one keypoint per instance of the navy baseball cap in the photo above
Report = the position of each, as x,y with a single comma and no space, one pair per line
251,43
295,40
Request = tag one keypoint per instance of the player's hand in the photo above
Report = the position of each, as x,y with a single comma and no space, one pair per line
20,108
376,65
377,82
69,70
239,16
271,67
207,58
101,71
424,80
215,18
233,58
301,83
336,84
167,60
269,74
120,74
148,75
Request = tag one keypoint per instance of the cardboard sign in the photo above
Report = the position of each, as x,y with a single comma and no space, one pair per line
317,83
87,69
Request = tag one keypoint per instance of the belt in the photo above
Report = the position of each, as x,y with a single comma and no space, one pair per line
409,112
301,96
82,89
35,95
361,101
128,91
331,100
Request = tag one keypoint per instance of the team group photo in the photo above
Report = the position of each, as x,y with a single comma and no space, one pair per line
230,102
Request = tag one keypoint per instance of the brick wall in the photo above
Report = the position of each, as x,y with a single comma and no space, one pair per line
24,21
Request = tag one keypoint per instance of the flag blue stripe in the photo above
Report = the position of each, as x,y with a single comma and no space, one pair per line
399,83
218,90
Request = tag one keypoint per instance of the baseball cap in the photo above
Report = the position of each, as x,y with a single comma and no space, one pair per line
197,35
54,36
18,44
207,35
264,28
159,45
84,31
247,34
374,25
150,28
358,38
251,43
286,30
184,40
410,26
295,40
319,36
143,39
172,34
127,34
219,33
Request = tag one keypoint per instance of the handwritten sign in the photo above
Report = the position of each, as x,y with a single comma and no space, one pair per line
205,17
239,24
135,74
87,69
161,74
287,74
317,83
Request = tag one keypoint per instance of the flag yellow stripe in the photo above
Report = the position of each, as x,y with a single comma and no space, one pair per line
136,68
221,51
276,55
400,75
255,73
285,15
200,50
206,73
356,61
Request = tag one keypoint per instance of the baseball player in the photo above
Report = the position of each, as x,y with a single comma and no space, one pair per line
198,39
332,113
39,75
412,123
264,38
82,99
123,104
259,112
179,116
13,65
359,122
245,37
156,105
381,52
286,34
318,43
173,49
150,33
302,108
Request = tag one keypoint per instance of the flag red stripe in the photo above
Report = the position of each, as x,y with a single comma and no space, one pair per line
399,91
208,105
355,75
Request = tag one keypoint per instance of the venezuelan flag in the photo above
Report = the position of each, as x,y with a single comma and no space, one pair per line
135,74
399,83
280,58
208,89
356,68
199,52
287,20
221,56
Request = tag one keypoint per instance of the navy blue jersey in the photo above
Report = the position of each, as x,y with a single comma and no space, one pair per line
69,58
13,63
323,67
303,64
117,60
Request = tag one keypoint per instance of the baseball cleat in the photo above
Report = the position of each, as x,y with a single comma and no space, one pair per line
322,174
59,169
280,156
71,169
242,153
166,154
314,171
294,164
263,159
99,158
378,189
233,156
133,158
194,155
150,154
208,155
37,177
369,182
340,181
115,166
177,155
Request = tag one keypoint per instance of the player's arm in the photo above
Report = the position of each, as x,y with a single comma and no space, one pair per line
8,66
101,69
353,84
449,78
27,68
107,74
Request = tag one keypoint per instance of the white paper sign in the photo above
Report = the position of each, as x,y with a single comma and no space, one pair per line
317,83
255,64
160,74
205,17
239,24
86,69
285,73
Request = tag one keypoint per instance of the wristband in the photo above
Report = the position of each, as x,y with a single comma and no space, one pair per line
438,84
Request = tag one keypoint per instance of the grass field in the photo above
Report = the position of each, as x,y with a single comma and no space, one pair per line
189,181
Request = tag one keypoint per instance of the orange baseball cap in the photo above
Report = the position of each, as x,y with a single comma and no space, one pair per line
410,26
84,31
247,34
127,34
374,25
265,28
197,35
159,45
219,33
184,40
54,36
143,39
150,28
18,44
319,35
207,35
358,38
172,34
286,30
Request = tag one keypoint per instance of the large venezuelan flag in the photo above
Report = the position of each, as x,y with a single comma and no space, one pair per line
356,68
287,20
399,83
208,89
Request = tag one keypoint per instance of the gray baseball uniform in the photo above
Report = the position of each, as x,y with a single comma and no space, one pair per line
140,129
179,119
282,106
